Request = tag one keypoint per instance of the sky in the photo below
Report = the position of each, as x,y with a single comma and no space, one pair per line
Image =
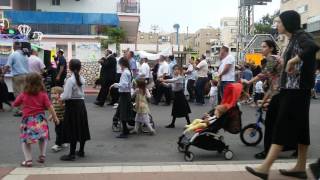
194,14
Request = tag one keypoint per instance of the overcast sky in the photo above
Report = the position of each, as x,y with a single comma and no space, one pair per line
194,14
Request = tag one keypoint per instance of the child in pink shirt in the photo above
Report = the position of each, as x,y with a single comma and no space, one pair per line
34,126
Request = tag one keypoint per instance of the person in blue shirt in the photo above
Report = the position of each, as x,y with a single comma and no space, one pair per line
19,67
172,63
132,63
248,75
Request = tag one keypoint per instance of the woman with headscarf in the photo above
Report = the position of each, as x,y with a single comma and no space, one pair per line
297,80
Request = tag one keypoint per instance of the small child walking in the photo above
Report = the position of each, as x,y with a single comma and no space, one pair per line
213,94
259,93
180,106
142,109
58,106
34,126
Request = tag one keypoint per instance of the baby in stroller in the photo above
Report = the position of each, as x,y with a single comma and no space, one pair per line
199,124
203,133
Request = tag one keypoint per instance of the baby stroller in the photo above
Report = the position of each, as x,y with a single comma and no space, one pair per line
117,126
208,138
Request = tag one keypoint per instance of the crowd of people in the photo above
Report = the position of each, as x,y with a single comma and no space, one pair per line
282,84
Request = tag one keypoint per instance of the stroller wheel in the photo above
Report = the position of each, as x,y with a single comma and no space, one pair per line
228,155
188,156
181,148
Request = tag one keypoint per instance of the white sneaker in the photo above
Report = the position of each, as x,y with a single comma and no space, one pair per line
115,106
65,145
56,148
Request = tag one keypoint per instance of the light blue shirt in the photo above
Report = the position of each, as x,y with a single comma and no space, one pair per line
18,63
125,81
171,64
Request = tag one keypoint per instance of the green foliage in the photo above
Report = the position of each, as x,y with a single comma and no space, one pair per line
115,36
265,23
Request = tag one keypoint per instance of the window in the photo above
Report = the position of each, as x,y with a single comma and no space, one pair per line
141,37
5,3
302,9
55,2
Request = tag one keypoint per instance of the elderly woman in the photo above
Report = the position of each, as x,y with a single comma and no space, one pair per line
297,80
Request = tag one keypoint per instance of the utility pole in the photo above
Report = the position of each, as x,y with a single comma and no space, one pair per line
246,22
155,29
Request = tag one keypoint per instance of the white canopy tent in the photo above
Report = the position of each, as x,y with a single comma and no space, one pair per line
153,57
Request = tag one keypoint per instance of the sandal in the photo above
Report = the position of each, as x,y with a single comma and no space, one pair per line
41,159
26,163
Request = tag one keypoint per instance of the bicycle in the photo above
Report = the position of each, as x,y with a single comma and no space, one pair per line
251,135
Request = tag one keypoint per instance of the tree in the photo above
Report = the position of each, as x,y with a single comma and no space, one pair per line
265,23
115,36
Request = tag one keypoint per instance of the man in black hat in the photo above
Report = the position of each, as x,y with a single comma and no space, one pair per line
107,76
61,68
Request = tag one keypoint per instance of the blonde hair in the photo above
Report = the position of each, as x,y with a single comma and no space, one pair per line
56,90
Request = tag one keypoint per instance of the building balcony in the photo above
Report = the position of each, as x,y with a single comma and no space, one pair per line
128,6
313,24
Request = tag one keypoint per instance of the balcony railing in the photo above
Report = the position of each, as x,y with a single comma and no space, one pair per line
128,7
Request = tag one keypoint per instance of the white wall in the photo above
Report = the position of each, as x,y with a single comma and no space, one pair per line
83,6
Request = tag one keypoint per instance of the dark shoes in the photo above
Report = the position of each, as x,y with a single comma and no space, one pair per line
258,174
261,155
68,157
170,126
98,103
315,169
80,154
122,136
299,175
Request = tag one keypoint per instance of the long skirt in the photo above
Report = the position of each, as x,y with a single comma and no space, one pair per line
292,123
125,106
75,124
34,128
180,106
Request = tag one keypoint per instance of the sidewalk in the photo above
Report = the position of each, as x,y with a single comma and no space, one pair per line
167,172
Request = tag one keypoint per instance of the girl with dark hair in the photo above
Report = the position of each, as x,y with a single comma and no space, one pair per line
34,125
124,87
180,107
297,80
75,124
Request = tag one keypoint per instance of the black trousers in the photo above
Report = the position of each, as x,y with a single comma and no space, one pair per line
59,134
114,93
190,88
200,85
103,93
163,90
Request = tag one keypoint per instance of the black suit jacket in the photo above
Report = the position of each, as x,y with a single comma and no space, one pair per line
108,69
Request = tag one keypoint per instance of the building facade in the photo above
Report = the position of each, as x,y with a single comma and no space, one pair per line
203,39
229,32
69,23
310,15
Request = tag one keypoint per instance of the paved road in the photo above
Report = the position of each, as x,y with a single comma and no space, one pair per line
105,148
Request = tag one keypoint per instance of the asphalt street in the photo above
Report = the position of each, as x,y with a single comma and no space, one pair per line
105,148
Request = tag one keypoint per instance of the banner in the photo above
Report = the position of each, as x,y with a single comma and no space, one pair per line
88,51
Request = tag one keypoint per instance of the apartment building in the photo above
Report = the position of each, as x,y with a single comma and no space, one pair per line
69,24
229,32
203,39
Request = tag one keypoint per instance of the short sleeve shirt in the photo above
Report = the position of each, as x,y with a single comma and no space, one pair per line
229,76
203,69
18,63
62,62
35,64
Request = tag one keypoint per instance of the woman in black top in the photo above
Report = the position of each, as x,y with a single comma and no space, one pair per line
297,80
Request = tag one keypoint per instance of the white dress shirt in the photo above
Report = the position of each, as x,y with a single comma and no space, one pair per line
163,69
144,70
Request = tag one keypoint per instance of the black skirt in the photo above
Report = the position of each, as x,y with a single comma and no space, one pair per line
75,124
292,123
180,106
125,106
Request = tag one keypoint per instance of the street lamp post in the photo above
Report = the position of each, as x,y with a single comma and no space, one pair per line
155,29
177,27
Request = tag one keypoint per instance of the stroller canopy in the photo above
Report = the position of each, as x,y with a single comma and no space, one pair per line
231,94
